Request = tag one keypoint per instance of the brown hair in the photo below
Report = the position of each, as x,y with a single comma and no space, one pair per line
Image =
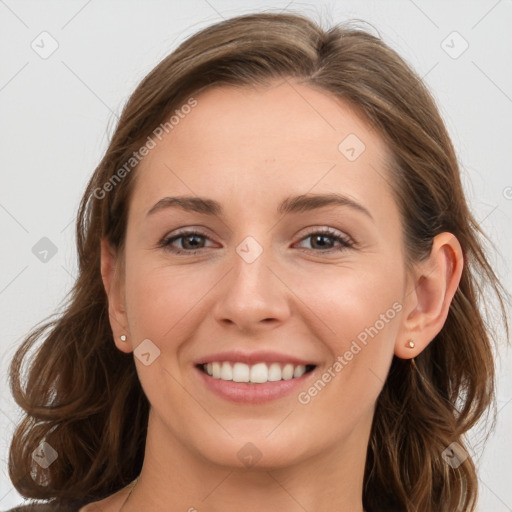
83,396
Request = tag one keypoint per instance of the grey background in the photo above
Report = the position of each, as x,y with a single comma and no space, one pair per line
58,112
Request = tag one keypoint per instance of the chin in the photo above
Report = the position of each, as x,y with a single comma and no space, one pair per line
258,451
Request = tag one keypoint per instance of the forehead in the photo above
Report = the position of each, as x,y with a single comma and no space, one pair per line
258,144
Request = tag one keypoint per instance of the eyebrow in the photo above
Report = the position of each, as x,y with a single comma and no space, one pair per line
295,204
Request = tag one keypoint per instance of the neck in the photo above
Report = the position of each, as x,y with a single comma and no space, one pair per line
174,479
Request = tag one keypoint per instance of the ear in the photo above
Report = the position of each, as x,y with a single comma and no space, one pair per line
430,294
111,275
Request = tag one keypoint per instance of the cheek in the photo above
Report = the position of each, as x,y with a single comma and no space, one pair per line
162,304
360,314
350,301
161,300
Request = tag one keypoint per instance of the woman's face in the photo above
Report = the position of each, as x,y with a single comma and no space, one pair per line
260,282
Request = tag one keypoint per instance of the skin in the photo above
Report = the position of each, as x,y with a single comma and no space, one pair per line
248,149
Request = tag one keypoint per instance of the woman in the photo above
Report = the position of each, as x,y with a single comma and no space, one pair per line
277,300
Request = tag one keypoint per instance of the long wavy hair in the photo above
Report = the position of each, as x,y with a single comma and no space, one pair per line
82,395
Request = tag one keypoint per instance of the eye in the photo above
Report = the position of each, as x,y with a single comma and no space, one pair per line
191,242
325,239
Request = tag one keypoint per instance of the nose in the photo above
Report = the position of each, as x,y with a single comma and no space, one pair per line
253,296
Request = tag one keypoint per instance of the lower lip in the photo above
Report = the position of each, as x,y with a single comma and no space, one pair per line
250,393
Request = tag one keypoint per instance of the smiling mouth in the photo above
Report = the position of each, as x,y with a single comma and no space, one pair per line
258,373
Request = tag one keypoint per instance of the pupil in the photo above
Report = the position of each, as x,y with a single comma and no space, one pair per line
191,237
318,237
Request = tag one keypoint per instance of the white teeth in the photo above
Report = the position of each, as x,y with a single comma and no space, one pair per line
299,371
274,372
288,372
226,372
240,372
258,373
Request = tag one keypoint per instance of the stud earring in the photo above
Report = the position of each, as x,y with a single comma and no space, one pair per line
123,337
410,344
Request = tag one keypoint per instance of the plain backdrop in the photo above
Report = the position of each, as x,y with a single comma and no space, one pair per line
57,112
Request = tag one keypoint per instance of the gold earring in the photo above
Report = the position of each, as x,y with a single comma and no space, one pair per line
410,344
123,337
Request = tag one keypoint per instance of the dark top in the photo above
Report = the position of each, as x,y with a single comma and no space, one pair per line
49,507
44,507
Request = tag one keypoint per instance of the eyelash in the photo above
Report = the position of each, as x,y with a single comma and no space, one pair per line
346,243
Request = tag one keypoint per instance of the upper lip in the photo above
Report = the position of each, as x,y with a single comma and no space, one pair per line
262,356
